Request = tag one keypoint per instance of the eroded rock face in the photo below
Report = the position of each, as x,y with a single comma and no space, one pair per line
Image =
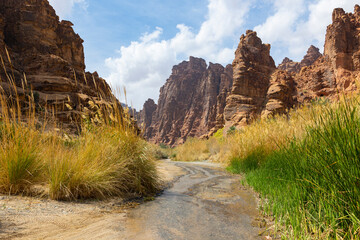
187,105
218,110
253,68
51,55
289,65
338,70
311,56
259,89
280,95
146,115
294,67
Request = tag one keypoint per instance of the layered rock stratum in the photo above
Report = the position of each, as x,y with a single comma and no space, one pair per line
45,56
188,102
193,104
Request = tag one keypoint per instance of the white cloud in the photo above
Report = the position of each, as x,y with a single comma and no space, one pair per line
64,8
144,65
297,24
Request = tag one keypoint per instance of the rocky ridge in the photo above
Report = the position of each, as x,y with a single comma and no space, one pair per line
259,88
47,59
337,71
327,75
188,102
311,56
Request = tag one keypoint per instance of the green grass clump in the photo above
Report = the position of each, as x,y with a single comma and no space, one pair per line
313,184
249,163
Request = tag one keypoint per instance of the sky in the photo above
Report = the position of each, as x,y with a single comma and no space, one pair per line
134,44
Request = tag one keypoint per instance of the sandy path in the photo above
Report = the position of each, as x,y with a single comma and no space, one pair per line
32,218
204,202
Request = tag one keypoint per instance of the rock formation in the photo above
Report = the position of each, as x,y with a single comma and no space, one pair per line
338,70
258,88
197,100
51,56
289,65
294,67
188,101
311,56
146,116
261,90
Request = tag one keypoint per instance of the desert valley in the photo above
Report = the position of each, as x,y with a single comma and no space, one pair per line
247,150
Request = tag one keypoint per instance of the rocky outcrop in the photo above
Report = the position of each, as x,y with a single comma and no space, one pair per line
146,115
280,96
197,100
258,88
289,65
47,58
261,90
338,70
294,67
188,101
311,56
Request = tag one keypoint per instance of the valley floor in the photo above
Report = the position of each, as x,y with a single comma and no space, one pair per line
204,202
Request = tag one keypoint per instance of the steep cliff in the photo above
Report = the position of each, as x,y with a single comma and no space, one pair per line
146,116
338,70
51,56
197,101
258,88
262,90
294,67
188,101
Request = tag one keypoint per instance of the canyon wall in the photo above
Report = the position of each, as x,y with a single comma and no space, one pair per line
337,71
258,87
188,102
261,90
197,101
46,56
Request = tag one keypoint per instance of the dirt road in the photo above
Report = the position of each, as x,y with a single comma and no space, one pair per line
204,202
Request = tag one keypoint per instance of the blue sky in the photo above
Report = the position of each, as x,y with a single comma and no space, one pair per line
136,43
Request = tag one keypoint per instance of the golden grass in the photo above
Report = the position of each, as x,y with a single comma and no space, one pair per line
305,164
106,159
270,134
192,150
267,134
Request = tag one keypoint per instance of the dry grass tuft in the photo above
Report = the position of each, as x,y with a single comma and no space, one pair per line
107,158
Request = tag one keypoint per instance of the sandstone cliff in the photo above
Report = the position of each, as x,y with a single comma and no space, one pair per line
146,116
338,70
294,67
197,100
51,56
188,102
258,88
